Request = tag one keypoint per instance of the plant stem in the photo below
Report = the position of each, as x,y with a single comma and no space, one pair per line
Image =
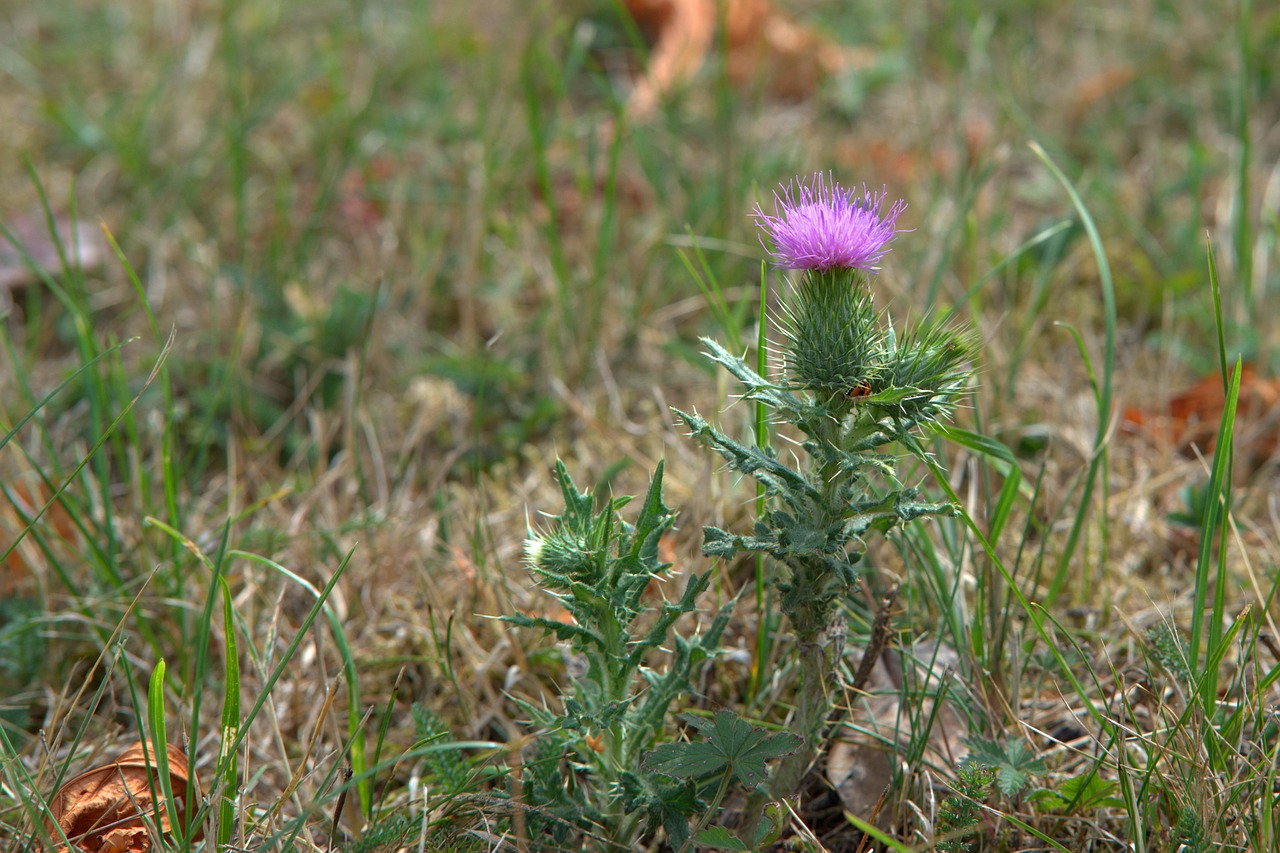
820,637
712,808
819,655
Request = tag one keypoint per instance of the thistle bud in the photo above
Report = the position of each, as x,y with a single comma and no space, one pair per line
833,237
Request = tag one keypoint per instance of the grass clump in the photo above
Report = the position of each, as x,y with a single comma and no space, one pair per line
363,274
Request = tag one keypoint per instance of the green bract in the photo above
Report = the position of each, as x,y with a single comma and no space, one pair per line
835,344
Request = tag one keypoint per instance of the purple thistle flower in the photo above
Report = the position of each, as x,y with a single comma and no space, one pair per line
820,225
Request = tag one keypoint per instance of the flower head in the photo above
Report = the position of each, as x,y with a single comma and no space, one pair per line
820,225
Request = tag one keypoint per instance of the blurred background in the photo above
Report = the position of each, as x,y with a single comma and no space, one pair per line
393,257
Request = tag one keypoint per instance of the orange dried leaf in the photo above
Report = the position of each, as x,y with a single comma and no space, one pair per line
464,565
1099,87
683,33
667,550
24,501
882,157
361,203
765,43
758,38
106,809
1191,419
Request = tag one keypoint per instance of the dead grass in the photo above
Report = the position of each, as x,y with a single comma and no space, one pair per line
387,151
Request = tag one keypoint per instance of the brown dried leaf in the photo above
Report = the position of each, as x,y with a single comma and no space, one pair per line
102,810
683,32
463,564
794,59
362,205
860,771
561,615
667,551
858,764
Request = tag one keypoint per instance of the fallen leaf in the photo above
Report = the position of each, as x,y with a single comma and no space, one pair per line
561,615
1191,419
793,59
1099,87
859,761
667,550
760,42
882,157
362,205
570,203
82,244
898,164
683,31
23,501
463,564
106,809
859,770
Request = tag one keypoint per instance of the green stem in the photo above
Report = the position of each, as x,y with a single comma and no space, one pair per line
820,638
712,808
819,654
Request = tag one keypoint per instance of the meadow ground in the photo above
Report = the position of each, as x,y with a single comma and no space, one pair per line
373,267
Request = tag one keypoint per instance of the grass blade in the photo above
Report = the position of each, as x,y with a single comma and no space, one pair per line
160,751
1103,391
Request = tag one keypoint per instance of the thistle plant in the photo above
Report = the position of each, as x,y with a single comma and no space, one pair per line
859,394
586,774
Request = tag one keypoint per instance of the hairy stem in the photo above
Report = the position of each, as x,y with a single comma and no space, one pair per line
819,658
820,637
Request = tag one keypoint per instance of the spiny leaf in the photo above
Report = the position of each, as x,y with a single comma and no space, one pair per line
759,463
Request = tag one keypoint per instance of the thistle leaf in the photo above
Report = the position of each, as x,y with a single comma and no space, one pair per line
760,463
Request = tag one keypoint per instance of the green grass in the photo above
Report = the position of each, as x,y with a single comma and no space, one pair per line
370,268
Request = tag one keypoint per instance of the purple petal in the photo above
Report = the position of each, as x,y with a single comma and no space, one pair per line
820,225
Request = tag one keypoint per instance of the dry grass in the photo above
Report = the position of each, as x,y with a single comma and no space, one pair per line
393,303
